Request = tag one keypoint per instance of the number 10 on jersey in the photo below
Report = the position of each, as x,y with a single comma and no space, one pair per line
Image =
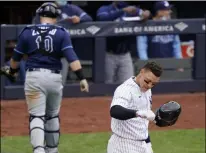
48,43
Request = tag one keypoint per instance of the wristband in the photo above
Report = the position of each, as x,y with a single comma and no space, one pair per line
13,71
79,74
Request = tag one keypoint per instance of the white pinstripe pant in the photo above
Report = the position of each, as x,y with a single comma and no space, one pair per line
117,144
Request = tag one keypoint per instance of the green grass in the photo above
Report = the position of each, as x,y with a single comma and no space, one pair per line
175,141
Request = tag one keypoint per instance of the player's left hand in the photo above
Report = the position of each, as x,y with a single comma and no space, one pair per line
84,86
5,70
75,19
148,114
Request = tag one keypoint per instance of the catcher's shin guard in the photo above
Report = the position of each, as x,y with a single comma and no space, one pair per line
37,134
52,134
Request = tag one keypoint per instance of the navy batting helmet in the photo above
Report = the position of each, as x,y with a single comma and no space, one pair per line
168,114
48,10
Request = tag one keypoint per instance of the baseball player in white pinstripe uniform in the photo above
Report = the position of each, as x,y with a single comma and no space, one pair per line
131,112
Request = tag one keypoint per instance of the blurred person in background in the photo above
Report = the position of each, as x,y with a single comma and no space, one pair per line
159,46
119,64
70,14
21,75
22,72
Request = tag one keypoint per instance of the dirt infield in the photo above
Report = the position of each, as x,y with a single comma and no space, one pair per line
92,114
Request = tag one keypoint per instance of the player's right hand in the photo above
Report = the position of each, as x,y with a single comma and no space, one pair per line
130,9
84,86
75,19
148,114
146,14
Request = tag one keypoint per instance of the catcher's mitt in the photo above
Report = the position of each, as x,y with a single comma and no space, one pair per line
5,70
167,114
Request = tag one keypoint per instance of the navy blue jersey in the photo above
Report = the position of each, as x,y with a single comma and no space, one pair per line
118,45
160,46
45,45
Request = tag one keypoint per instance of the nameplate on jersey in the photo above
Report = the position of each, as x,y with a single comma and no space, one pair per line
51,32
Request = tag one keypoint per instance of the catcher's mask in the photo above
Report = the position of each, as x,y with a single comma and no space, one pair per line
48,9
168,114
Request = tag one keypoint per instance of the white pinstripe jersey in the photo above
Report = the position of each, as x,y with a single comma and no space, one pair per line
128,95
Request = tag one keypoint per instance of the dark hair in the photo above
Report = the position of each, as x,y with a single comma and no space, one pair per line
155,68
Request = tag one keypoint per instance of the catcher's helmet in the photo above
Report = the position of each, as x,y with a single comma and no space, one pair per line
48,10
168,114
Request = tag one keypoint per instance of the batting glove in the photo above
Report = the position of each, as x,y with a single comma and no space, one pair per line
148,114
84,86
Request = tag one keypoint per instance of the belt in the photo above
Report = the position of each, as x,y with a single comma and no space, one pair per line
44,70
117,53
130,139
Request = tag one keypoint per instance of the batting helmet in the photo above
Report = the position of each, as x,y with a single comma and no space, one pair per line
48,10
167,114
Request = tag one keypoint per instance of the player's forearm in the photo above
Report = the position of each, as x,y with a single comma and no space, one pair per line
177,48
142,47
75,65
109,15
14,66
77,69
85,18
122,113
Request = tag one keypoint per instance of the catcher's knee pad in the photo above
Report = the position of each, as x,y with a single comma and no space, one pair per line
36,126
52,131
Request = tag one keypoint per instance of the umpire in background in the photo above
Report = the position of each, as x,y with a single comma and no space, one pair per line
70,14
119,64
159,46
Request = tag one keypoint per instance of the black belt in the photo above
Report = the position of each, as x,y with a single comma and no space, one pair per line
39,69
117,53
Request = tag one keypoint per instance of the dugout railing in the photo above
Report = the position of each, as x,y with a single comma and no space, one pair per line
192,80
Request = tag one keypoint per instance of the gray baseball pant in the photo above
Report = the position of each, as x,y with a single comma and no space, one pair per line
65,70
43,92
118,68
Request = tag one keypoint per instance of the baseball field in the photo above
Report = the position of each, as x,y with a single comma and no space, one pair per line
85,125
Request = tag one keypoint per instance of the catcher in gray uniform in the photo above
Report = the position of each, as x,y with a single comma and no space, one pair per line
45,44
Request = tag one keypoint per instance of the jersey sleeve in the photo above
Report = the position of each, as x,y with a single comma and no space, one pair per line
121,97
67,48
105,13
21,46
81,13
